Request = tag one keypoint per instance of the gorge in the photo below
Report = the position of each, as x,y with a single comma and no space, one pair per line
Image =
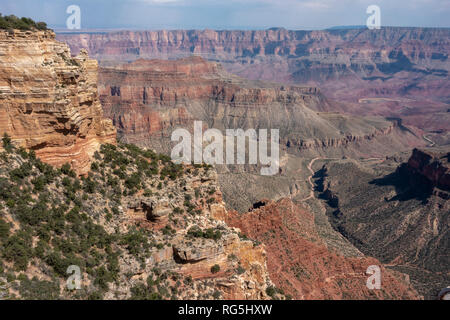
86,178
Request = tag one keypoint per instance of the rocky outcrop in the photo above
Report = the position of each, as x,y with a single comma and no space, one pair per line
342,141
49,101
151,97
302,265
197,250
434,167
150,209
157,235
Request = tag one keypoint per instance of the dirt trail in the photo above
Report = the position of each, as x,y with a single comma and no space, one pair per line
311,183
311,194
432,143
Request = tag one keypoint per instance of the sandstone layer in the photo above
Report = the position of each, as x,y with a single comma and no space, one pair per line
49,101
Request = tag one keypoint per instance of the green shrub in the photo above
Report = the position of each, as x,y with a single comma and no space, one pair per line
4,229
217,294
96,295
240,270
58,263
23,171
89,185
38,290
139,292
215,268
103,277
271,291
133,182
5,189
196,232
65,168
39,183
167,230
135,241
13,22
7,144
18,251
94,166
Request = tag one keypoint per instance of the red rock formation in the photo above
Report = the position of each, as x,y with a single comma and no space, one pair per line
49,100
434,167
418,44
148,99
301,264
408,65
387,62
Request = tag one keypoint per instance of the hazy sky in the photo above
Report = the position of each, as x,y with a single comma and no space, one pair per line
231,14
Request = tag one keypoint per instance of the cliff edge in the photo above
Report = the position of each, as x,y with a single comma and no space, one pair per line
49,101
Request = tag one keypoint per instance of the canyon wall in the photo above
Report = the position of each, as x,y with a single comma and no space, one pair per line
346,51
370,57
148,99
395,212
433,167
49,103
49,100
396,72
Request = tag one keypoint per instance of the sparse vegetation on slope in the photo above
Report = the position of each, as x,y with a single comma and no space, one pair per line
392,211
51,219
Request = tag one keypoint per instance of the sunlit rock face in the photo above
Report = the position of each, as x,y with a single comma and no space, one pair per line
49,101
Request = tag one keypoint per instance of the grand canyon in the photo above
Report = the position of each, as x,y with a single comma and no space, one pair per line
396,72
86,177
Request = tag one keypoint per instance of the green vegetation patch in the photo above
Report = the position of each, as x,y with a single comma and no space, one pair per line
13,22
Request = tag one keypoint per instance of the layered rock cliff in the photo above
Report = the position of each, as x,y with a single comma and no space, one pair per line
48,99
352,47
146,222
359,67
148,99
139,226
382,62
